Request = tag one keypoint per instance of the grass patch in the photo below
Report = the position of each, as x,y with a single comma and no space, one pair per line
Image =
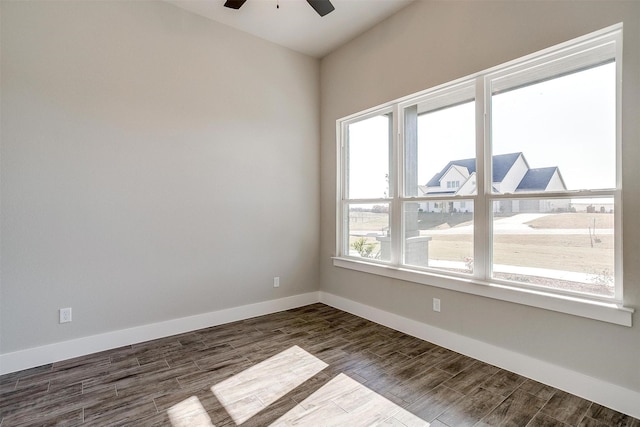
368,221
433,220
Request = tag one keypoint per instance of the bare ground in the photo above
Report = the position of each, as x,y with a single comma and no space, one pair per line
564,252
556,252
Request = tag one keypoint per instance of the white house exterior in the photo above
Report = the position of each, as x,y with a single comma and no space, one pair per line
511,174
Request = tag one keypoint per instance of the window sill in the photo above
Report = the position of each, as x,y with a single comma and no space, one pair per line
597,310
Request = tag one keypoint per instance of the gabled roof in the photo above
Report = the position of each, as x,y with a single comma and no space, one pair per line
460,169
501,165
537,179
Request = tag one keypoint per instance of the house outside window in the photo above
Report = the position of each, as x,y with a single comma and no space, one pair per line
511,176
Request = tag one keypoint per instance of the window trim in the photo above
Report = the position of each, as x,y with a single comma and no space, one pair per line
598,308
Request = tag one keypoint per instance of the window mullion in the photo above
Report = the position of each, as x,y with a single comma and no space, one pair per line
341,230
482,218
619,280
396,177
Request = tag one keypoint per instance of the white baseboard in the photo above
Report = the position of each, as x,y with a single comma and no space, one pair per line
606,394
32,357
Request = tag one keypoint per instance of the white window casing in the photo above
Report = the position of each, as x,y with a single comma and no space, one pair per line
602,47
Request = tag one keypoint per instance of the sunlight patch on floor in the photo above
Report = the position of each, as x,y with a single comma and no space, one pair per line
346,402
252,390
188,413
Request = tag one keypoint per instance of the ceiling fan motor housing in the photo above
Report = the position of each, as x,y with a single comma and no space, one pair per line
322,7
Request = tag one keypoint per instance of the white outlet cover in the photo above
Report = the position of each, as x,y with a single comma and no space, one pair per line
65,315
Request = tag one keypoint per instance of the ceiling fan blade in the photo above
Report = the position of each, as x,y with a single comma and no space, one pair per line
321,6
234,4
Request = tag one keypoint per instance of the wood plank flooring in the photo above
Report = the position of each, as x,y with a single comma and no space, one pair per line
311,366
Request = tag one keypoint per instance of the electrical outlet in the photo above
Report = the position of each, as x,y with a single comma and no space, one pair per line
65,315
436,304
276,282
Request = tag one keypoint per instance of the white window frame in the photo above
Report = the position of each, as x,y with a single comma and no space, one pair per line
480,282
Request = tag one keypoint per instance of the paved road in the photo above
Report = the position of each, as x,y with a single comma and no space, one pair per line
517,225
513,225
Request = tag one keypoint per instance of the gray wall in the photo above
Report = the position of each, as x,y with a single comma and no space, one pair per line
154,165
430,43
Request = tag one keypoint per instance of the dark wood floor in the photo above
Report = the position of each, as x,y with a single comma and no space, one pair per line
312,366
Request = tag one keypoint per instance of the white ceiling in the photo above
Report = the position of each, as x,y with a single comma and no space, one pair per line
295,24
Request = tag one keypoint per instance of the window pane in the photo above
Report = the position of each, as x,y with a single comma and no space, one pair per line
560,244
369,235
369,142
558,134
442,237
440,150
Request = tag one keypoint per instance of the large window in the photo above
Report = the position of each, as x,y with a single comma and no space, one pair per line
509,178
553,130
366,187
439,153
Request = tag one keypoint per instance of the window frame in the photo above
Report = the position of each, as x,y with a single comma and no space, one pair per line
481,282
343,202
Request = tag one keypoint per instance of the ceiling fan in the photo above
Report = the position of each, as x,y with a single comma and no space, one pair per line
323,7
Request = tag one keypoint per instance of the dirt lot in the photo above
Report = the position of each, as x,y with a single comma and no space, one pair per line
556,250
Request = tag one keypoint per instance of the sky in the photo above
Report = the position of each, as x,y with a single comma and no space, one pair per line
567,122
